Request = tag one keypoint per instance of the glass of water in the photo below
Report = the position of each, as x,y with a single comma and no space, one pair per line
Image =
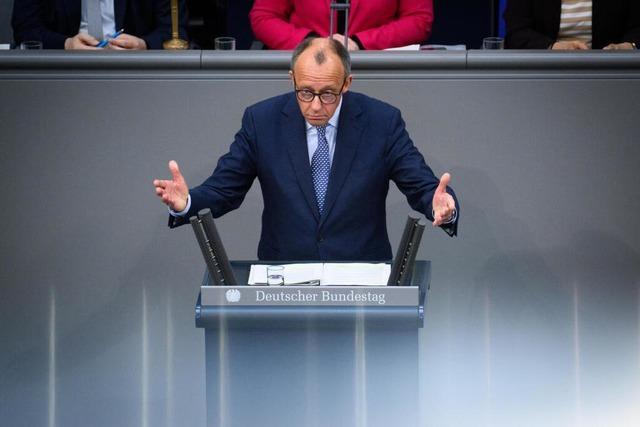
275,275
30,45
225,43
493,43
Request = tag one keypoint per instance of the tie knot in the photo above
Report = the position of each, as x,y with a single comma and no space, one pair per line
322,130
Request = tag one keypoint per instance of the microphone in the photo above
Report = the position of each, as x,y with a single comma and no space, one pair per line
212,249
342,8
404,261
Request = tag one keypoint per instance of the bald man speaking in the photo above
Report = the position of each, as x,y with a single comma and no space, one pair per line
324,157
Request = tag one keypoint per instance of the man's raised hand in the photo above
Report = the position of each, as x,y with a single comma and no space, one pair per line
174,191
443,203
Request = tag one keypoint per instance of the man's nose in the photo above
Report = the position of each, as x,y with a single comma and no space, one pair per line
316,104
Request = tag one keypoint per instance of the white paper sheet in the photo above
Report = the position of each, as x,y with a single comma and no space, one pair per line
336,274
293,273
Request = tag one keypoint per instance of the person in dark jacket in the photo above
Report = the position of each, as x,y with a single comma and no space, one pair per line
62,24
572,24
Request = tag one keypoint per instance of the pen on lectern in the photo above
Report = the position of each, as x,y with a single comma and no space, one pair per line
105,41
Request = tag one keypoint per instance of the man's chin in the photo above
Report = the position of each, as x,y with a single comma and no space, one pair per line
317,121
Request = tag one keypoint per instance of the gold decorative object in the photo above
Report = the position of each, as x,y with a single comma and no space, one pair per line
175,43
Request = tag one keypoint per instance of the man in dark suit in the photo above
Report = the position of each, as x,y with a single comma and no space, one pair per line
324,157
61,24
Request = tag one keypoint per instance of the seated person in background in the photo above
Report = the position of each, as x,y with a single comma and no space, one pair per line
572,24
373,24
76,24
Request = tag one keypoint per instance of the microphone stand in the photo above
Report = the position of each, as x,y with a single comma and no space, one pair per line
335,7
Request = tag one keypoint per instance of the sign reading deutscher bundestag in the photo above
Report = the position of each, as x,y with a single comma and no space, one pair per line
397,296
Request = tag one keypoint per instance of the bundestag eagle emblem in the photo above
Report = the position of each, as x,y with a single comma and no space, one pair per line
233,295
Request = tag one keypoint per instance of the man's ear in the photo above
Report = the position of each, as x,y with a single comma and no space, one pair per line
291,76
347,83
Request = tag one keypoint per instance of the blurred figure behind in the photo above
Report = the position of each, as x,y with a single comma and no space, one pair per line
373,24
64,24
572,24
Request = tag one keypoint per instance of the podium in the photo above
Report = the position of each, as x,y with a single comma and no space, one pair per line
326,356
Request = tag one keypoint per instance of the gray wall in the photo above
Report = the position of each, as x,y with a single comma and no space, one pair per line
533,314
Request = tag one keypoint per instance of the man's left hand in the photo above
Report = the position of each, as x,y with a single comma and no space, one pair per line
443,203
127,42
350,44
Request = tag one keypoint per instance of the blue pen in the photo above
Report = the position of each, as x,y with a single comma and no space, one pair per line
105,41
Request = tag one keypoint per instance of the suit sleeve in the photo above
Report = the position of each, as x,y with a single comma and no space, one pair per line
232,178
413,22
29,23
270,24
521,34
411,174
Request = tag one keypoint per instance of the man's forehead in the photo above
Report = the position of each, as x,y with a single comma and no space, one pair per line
331,69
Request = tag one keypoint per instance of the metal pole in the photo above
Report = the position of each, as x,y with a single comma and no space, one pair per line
333,8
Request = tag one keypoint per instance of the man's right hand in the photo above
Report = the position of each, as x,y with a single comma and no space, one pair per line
81,41
173,192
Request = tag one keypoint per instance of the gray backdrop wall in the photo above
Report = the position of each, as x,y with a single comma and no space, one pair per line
533,314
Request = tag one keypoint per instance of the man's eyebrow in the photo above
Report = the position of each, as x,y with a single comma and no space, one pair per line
322,89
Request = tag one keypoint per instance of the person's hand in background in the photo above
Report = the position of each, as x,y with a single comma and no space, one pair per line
619,46
127,42
570,45
81,41
350,45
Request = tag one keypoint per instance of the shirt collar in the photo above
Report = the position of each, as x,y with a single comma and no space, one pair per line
333,121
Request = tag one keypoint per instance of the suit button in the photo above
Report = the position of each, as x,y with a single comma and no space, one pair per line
319,238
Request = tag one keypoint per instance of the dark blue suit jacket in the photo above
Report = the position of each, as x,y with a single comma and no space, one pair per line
372,147
53,21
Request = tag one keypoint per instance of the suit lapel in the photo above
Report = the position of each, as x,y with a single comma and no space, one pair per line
350,129
295,135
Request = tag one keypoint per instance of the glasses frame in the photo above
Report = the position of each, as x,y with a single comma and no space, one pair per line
318,94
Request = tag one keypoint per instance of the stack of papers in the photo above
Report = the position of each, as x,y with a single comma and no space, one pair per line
334,274
431,47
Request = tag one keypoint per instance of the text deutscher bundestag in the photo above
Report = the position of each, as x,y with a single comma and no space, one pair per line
320,296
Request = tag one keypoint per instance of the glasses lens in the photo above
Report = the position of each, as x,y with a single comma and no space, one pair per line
328,98
305,95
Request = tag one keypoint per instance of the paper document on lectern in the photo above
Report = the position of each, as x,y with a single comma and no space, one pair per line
334,274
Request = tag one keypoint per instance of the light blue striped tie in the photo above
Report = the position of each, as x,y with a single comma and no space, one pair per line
93,14
320,167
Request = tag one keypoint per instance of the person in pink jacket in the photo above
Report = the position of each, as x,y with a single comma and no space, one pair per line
373,24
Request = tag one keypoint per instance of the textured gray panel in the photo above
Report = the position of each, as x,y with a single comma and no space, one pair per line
532,317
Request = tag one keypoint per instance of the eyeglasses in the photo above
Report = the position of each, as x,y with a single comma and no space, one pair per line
327,97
